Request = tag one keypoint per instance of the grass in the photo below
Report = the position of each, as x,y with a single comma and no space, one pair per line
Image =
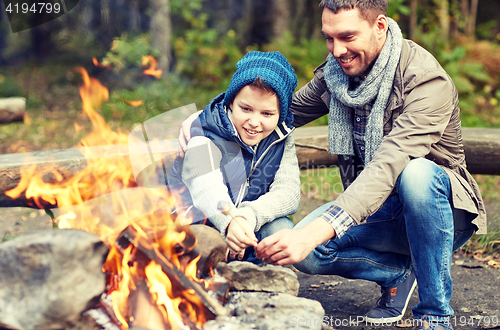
321,183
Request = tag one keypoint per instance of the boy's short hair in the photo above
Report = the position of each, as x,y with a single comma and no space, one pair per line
271,68
261,85
369,9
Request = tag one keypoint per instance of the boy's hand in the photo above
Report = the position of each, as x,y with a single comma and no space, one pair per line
239,236
185,133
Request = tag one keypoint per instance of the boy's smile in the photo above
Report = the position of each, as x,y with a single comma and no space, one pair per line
255,114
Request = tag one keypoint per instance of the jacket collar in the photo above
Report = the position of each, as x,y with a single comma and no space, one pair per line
216,119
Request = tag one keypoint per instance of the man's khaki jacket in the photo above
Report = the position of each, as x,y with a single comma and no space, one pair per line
422,119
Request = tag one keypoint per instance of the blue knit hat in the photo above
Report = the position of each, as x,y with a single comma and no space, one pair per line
273,69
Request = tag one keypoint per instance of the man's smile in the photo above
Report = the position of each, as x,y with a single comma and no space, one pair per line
347,60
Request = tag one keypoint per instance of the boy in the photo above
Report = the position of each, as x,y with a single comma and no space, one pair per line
240,168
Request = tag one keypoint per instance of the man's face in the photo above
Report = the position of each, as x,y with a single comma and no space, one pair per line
352,40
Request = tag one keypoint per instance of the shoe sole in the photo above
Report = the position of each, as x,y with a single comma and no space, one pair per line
395,318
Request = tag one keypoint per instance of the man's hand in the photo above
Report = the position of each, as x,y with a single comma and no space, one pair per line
239,236
290,246
287,246
185,133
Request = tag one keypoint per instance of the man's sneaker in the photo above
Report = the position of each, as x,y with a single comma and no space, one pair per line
392,305
425,323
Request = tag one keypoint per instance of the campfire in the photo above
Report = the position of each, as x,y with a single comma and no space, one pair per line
151,269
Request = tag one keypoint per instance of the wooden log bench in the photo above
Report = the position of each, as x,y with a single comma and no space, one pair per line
482,149
12,109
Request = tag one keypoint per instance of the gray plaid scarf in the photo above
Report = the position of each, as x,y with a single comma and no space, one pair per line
378,84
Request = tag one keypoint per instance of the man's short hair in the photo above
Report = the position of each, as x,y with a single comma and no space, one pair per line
369,9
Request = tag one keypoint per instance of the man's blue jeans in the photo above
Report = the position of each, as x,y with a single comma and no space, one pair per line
416,229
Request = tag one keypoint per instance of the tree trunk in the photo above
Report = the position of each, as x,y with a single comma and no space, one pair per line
471,21
454,24
281,17
161,32
413,18
242,21
465,10
444,18
41,40
135,15
298,18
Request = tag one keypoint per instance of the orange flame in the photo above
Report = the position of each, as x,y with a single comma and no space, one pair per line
134,103
104,199
152,68
96,63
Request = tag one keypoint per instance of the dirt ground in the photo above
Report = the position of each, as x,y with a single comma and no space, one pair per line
475,300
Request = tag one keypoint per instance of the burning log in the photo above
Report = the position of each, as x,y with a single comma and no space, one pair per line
129,236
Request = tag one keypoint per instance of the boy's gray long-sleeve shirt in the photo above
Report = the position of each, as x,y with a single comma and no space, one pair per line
208,189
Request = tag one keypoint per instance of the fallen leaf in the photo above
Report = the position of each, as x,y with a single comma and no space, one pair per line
480,258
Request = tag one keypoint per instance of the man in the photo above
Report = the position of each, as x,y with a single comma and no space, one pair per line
409,200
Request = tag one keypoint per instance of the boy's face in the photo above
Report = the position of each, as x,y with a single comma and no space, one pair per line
255,114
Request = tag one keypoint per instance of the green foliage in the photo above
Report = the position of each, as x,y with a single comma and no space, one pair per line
397,7
486,30
206,57
304,55
157,97
76,47
489,242
7,238
9,87
476,87
127,51
186,9
16,43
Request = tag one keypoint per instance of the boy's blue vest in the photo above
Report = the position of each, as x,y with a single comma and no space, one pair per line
260,165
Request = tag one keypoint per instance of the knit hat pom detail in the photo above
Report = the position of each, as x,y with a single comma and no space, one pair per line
273,69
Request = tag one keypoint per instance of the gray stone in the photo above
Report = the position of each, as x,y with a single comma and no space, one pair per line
245,276
49,278
270,311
